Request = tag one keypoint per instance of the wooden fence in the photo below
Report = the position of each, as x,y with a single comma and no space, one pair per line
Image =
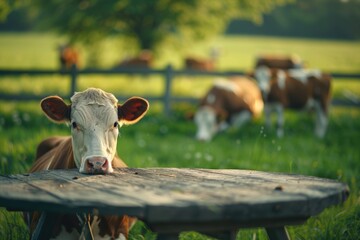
168,73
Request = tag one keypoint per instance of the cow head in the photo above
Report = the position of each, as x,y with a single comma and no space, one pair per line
263,76
94,117
208,122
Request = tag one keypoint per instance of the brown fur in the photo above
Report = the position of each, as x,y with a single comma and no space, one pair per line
48,144
114,226
278,62
321,90
296,94
143,60
68,56
228,103
288,92
200,64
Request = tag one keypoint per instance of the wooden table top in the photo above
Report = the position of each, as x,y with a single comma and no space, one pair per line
179,195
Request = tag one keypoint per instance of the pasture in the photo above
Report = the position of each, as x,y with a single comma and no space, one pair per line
159,141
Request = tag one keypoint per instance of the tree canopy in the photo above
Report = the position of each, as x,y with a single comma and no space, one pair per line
150,22
6,6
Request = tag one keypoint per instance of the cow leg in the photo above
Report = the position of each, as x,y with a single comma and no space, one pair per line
240,119
223,126
280,120
268,111
321,120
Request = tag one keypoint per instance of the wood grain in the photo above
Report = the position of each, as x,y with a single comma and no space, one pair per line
185,197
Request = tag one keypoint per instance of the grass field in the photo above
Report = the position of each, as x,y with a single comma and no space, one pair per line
158,141
237,53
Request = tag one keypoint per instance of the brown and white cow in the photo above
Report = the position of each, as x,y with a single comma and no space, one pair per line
283,62
203,64
143,60
68,56
296,89
230,102
95,118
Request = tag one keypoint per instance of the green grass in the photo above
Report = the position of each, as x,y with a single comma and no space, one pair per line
237,53
157,141
34,50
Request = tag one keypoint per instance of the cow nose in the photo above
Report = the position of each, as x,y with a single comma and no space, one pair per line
97,165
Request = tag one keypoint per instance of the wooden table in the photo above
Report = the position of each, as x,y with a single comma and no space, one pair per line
171,200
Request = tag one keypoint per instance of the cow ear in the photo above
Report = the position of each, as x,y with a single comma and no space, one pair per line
132,110
56,109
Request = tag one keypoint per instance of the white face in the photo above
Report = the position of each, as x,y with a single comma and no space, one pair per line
94,117
205,120
94,130
262,76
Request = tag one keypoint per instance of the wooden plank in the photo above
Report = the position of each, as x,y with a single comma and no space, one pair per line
236,192
212,228
167,236
18,195
159,196
46,191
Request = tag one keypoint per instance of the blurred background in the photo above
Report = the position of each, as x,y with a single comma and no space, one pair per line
127,47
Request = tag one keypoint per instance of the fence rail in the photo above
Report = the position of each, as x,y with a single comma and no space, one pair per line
169,73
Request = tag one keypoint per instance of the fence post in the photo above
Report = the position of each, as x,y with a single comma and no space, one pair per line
167,95
73,75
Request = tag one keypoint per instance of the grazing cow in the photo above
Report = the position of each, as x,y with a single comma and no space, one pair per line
203,64
143,60
68,56
279,62
94,117
296,89
194,63
229,102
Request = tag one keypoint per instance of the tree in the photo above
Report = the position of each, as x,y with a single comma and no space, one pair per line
6,6
149,22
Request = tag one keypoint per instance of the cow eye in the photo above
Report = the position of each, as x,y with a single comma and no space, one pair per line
74,125
116,124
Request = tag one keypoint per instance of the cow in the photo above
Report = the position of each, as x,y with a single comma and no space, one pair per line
283,62
68,56
295,89
203,64
229,102
94,117
143,60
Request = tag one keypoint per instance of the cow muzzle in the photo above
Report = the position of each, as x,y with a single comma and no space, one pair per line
97,165
204,135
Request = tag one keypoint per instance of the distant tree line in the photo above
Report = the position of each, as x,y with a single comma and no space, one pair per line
150,23
337,19
306,18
